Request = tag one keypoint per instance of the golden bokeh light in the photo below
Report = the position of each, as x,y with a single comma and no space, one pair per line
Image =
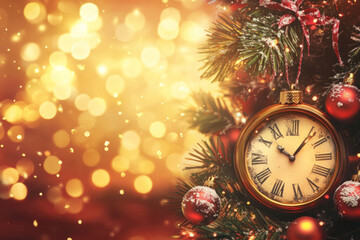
79,30
130,140
65,42
30,52
192,32
143,184
131,67
172,13
91,157
54,195
124,33
9,176
34,12
74,205
52,165
74,188
173,162
30,113
135,20
62,91
18,191
97,106
157,129
82,102
150,56
146,167
100,178
58,59
120,163
192,4
61,75
61,138
80,50
167,48
92,101
47,110
115,84
55,18
89,12
180,90
86,120
16,133
14,113
25,167
168,29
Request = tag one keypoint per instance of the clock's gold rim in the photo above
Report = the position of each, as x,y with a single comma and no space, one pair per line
242,171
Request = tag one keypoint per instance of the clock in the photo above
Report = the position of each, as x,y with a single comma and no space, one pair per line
289,156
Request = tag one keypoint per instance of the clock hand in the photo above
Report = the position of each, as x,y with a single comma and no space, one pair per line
309,136
282,150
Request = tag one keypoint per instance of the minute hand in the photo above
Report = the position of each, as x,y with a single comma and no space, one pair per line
309,136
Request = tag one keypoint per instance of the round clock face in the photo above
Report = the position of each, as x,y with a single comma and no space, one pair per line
290,158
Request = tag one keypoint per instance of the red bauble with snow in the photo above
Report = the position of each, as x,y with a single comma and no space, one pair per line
347,200
201,205
305,228
343,102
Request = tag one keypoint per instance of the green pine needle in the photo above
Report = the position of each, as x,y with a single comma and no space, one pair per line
210,114
249,40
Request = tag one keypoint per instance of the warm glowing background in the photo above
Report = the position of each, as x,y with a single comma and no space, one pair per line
92,135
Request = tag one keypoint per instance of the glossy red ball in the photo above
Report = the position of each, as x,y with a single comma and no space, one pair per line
230,136
256,100
305,228
201,205
343,102
347,200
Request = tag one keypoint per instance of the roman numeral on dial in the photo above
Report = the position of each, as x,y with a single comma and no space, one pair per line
275,131
313,186
278,188
318,143
320,170
257,158
293,128
263,175
323,156
297,191
267,143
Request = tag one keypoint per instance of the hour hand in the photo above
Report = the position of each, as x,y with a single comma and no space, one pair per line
309,136
282,150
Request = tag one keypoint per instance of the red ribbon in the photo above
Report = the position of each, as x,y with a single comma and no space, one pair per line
306,18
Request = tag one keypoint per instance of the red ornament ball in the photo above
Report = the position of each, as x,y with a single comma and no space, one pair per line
230,136
347,200
237,6
343,102
305,228
256,100
201,205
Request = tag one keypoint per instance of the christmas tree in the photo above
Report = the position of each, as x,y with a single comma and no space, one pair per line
256,50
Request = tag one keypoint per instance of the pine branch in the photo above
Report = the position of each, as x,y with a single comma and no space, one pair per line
249,40
353,63
210,115
237,219
222,47
265,49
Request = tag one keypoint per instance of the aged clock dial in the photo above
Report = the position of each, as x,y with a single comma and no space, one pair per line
291,158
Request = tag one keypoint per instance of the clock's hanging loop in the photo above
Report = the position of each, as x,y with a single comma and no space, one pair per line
291,97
